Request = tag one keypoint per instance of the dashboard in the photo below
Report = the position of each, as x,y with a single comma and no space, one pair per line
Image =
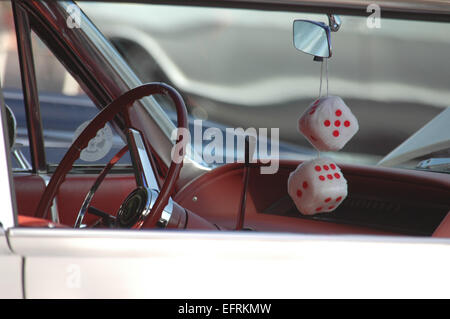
383,201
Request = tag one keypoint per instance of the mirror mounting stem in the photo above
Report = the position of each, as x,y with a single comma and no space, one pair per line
334,22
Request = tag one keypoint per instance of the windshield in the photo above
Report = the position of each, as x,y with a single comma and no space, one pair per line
239,68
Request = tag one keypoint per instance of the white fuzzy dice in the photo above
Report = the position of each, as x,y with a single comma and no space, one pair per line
317,186
328,124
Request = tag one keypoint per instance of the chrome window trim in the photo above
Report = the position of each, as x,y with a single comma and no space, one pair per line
17,154
29,88
21,170
54,213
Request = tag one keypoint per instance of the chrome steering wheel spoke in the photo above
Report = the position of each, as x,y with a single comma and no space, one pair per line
145,174
143,171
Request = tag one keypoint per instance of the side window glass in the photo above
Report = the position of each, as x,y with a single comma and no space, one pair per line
66,110
12,86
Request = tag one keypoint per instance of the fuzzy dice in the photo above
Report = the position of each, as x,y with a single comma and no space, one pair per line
328,124
317,186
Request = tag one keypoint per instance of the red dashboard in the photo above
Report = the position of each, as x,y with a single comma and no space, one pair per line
381,201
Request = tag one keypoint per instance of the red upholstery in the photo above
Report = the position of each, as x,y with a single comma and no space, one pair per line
28,221
109,196
29,189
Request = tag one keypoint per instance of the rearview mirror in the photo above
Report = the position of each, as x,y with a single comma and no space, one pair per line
313,38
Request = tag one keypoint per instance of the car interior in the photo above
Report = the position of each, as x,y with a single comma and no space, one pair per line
154,191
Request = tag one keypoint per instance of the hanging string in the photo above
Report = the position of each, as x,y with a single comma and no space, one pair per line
326,70
320,87
320,91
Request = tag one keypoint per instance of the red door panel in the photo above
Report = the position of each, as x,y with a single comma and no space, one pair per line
109,196
29,189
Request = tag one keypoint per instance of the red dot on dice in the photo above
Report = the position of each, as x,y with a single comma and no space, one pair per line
327,123
330,176
337,175
312,112
318,209
317,168
338,199
331,207
335,133
321,177
332,166
313,138
325,167
327,200
337,123
305,185
338,113
299,193
347,123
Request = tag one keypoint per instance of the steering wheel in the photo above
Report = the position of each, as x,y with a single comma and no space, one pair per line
145,205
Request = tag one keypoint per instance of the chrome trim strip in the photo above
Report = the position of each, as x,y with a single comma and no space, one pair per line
21,160
54,213
53,237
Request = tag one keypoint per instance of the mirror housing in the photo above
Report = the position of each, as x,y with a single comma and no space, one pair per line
312,37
